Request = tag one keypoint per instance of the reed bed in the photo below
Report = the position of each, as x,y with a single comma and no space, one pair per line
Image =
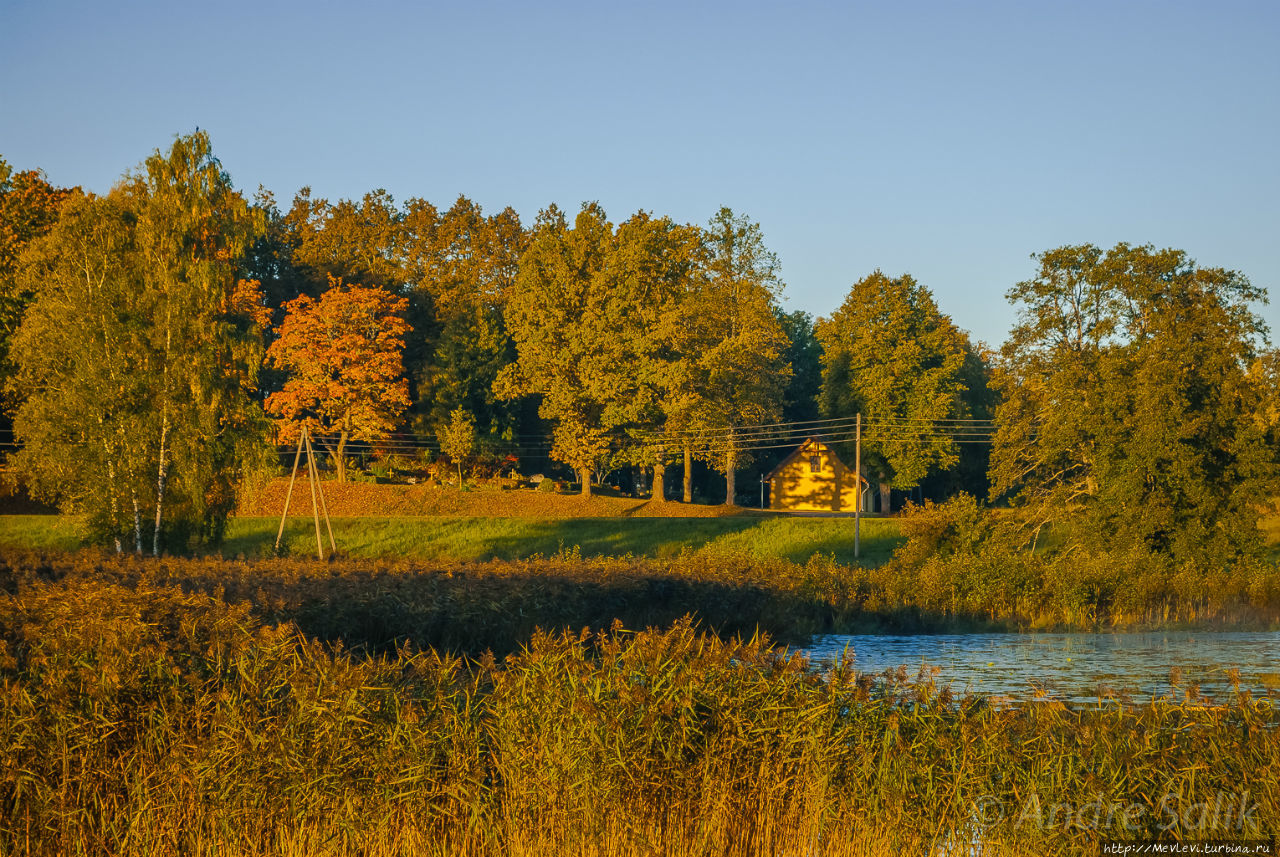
150,716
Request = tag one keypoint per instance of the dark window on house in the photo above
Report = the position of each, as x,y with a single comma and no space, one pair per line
815,464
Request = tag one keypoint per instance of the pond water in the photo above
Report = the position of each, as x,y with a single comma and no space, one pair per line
1072,667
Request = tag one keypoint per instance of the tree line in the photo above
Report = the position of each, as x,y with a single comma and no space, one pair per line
158,340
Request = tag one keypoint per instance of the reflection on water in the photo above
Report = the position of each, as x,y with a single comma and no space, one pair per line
1073,667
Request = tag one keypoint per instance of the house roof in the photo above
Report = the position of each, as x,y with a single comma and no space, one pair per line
799,450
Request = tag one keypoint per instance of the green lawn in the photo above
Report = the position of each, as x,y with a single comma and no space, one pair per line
45,532
795,539
472,538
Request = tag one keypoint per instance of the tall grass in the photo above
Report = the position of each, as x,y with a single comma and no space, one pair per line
140,718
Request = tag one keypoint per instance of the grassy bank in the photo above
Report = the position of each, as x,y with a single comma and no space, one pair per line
502,499
141,718
482,538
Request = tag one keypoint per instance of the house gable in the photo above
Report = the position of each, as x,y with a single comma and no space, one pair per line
813,478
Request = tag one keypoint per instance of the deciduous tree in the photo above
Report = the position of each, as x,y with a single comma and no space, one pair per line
1131,408
458,439
343,354
466,272
140,354
734,370
557,318
29,208
890,354
594,316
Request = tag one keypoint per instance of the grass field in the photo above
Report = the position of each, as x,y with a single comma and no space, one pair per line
482,538
476,538
41,532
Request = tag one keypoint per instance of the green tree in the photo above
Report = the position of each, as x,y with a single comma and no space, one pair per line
890,354
557,318
467,271
804,355
653,269
1134,403
594,319
354,241
458,439
139,356
734,371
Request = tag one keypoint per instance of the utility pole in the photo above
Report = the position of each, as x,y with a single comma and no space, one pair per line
857,481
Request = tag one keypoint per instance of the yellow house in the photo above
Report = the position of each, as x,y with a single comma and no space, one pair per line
813,479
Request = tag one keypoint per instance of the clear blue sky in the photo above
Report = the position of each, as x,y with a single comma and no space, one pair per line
949,140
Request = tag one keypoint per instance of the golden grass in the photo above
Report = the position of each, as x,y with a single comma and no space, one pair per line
141,717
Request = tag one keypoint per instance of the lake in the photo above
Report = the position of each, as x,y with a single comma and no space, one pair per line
1072,667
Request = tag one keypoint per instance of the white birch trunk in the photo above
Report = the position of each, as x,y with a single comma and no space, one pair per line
161,480
137,524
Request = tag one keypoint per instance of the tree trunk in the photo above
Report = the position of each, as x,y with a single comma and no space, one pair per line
137,525
731,474
163,476
658,485
459,474
688,474
730,482
884,496
341,457
162,480
584,475
115,500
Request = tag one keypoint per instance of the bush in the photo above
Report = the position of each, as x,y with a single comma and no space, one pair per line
964,561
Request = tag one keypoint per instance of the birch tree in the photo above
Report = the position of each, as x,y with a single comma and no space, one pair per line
140,355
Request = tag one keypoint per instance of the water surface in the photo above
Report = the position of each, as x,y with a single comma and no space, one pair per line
1073,667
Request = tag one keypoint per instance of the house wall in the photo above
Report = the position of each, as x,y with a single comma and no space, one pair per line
831,489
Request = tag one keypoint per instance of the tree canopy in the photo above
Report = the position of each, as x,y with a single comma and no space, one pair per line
558,317
343,356
29,208
139,356
1134,401
734,372
890,354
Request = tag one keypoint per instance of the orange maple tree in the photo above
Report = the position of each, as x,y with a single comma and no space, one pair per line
344,356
